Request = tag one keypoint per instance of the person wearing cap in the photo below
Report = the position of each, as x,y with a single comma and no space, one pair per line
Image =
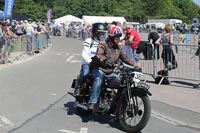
20,28
29,35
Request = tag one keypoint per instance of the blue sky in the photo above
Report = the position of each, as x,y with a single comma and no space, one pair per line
197,2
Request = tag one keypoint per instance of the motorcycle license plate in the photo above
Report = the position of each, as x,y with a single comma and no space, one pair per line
143,85
137,76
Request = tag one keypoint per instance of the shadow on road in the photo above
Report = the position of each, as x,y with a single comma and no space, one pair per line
102,119
182,84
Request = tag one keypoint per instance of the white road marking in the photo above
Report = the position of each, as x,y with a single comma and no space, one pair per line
67,131
167,119
6,121
82,130
58,54
69,58
75,61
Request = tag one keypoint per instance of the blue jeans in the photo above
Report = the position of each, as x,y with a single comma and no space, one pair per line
136,57
29,43
98,76
128,50
85,69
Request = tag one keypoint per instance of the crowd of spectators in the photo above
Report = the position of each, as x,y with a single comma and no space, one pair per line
12,29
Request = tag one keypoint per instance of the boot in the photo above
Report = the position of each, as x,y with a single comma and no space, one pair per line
77,91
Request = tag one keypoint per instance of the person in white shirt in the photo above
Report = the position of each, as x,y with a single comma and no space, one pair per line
90,45
29,34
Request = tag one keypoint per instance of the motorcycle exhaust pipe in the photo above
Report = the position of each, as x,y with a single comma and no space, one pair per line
72,94
81,106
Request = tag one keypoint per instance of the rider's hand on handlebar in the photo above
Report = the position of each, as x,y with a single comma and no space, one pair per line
108,63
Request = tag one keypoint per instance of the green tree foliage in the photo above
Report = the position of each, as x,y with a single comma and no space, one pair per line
132,10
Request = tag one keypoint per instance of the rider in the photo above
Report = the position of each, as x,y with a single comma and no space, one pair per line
90,45
108,53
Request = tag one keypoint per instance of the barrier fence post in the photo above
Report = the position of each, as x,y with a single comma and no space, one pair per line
198,85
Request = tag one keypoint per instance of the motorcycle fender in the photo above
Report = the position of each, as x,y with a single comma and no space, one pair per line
141,90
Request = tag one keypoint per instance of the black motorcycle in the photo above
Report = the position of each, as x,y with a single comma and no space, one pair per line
124,94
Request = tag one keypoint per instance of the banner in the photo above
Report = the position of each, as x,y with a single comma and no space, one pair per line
49,15
8,7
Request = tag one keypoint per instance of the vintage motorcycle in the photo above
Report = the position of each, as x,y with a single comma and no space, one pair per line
124,94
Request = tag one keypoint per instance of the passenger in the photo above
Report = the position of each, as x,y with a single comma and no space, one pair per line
90,45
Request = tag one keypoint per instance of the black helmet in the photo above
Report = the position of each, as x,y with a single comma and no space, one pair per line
99,29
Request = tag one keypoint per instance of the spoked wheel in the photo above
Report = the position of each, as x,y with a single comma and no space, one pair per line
134,114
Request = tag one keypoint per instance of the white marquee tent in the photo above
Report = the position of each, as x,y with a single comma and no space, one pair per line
68,18
102,19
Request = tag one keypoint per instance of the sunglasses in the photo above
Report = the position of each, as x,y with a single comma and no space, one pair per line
128,28
101,33
124,29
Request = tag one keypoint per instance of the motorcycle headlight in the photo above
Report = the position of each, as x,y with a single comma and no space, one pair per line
137,76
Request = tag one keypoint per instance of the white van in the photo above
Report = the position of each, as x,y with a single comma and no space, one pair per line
135,24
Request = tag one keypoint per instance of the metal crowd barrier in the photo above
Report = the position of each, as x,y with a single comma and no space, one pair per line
81,34
14,49
188,64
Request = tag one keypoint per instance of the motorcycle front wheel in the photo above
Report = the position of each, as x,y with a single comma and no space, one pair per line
134,114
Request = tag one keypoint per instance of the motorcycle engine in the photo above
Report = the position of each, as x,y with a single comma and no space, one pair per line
105,105
106,102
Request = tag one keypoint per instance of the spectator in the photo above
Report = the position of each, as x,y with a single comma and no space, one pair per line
126,47
198,49
29,35
2,40
19,28
168,56
7,36
133,38
152,38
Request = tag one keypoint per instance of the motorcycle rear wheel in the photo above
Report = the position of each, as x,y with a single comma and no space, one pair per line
140,112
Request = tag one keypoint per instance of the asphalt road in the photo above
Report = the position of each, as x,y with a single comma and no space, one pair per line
34,99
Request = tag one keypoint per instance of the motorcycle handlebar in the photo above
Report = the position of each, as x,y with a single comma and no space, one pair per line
129,66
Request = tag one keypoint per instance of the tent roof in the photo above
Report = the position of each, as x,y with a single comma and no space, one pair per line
19,17
68,18
103,19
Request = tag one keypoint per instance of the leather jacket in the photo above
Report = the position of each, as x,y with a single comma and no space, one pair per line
106,50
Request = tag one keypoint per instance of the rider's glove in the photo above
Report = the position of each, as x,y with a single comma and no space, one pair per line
108,63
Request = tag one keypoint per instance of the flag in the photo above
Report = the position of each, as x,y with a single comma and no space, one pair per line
49,15
8,7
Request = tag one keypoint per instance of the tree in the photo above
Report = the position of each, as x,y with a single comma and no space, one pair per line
132,10
30,9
